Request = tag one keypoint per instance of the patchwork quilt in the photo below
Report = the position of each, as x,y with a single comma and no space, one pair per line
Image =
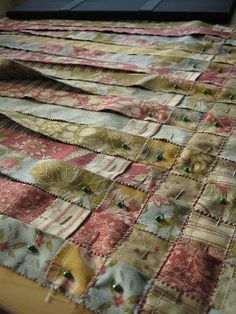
118,163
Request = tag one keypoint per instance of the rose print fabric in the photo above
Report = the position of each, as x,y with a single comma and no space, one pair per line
111,220
187,270
117,163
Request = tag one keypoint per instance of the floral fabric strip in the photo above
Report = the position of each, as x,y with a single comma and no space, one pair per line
90,137
156,109
106,77
189,43
176,64
19,139
37,44
55,177
79,116
142,63
163,29
72,46
25,249
7,53
175,83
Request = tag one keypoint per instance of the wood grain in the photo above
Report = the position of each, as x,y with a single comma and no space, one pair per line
19,295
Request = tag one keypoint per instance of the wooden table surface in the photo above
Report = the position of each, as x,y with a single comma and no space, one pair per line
19,295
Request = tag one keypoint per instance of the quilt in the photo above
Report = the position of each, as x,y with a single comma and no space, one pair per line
118,163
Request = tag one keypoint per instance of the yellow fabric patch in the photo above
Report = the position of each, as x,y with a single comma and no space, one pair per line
153,148
143,251
128,196
70,182
98,139
108,141
228,110
193,163
79,264
206,143
179,190
227,95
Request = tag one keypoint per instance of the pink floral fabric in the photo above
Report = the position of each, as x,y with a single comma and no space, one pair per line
22,201
187,270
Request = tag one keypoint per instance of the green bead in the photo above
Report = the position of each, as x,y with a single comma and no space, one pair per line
125,146
86,189
150,114
223,201
185,119
205,91
117,288
67,274
194,66
203,49
32,248
187,169
159,157
120,204
231,96
175,86
159,218
217,125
